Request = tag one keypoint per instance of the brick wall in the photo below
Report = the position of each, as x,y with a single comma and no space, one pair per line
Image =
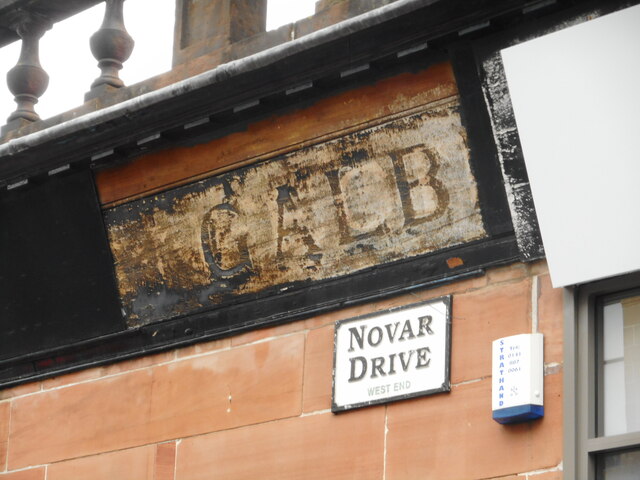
257,405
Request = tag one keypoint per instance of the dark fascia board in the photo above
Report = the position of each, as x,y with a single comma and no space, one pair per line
52,10
263,310
327,52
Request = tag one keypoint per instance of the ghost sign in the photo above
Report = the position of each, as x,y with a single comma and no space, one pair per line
389,192
400,353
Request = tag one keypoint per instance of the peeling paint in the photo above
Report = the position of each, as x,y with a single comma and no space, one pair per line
394,191
454,262
503,123
498,100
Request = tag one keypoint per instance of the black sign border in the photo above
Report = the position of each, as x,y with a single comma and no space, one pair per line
445,387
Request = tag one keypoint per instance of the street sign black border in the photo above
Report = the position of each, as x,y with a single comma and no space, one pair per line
445,387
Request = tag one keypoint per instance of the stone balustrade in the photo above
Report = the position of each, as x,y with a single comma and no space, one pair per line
111,45
206,34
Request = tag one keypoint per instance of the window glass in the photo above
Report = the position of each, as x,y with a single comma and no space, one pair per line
619,466
620,367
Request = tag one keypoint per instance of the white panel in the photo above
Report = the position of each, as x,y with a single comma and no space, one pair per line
576,99
615,420
613,332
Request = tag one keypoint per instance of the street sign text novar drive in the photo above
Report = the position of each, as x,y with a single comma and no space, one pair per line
399,353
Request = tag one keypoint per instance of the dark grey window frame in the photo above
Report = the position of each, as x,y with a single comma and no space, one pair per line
582,445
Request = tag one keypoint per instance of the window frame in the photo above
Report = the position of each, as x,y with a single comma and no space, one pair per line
583,313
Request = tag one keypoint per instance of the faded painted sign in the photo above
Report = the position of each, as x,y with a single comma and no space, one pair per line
397,190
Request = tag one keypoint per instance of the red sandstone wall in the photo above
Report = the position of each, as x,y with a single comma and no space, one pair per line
257,406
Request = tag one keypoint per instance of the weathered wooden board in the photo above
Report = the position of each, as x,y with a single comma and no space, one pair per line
397,190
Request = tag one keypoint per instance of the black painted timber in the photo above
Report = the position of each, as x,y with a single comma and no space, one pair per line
261,310
484,158
57,285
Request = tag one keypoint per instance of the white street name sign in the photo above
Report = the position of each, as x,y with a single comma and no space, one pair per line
400,353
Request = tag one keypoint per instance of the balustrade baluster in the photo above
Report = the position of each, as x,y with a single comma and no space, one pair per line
111,45
27,81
